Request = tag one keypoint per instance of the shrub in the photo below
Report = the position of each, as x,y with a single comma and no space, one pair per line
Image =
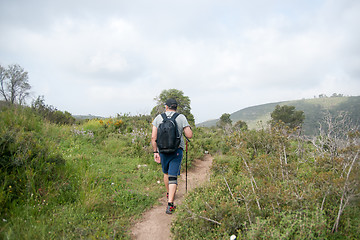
50,113
274,185
28,161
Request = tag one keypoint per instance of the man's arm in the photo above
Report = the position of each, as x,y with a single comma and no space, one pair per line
154,145
153,138
188,132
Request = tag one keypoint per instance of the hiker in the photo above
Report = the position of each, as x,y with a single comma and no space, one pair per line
170,161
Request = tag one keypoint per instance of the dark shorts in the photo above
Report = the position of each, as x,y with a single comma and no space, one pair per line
171,163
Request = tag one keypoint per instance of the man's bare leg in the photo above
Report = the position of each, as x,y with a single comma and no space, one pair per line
166,181
170,188
172,191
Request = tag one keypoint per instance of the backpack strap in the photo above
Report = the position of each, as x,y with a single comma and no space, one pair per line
164,116
173,117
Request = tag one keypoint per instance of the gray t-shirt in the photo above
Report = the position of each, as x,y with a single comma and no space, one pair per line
181,122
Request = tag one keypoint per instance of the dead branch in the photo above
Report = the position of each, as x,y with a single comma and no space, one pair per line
247,207
205,218
207,204
342,204
323,201
251,181
232,195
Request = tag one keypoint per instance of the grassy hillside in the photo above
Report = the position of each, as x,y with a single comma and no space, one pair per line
313,109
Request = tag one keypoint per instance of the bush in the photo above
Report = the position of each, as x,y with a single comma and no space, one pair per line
50,113
271,184
28,160
304,224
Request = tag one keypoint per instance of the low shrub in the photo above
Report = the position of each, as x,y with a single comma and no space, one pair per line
28,160
273,185
50,113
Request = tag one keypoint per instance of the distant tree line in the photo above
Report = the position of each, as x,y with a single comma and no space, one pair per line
333,95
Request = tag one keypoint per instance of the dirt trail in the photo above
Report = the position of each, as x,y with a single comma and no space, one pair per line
155,223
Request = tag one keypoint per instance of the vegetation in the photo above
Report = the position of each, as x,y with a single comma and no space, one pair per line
89,180
224,121
93,179
273,185
14,84
50,113
241,125
183,104
287,115
314,110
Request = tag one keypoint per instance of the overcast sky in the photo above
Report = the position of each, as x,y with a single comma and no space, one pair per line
115,56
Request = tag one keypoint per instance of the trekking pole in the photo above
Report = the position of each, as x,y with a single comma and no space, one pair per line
186,154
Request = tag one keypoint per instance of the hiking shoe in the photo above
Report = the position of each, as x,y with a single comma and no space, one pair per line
170,209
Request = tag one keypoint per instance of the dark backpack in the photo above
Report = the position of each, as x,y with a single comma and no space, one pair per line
168,137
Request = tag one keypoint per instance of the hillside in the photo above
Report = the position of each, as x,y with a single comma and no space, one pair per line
312,108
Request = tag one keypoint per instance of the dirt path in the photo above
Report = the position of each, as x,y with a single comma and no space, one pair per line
155,223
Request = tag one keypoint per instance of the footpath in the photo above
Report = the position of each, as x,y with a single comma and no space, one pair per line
155,224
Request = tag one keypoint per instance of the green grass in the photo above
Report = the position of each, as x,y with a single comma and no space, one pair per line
103,195
106,180
327,103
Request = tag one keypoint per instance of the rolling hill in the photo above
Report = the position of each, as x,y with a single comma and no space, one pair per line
256,116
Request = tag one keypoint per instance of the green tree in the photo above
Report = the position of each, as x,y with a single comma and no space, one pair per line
241,125
183,104
14,84
225,120
288,116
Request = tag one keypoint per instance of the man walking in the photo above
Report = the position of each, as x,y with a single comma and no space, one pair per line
170,162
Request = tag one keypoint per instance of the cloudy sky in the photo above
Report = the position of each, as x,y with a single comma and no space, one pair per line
115,56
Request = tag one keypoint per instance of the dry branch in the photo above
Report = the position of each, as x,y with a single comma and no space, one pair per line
342,204
205,218
251,181
247,208
232,195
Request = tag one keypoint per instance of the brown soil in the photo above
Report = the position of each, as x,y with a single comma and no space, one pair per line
155,223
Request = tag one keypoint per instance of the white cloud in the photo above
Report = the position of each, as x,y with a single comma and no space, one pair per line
227,55
107,61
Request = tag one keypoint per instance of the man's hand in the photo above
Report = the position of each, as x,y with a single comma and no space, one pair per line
157,157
